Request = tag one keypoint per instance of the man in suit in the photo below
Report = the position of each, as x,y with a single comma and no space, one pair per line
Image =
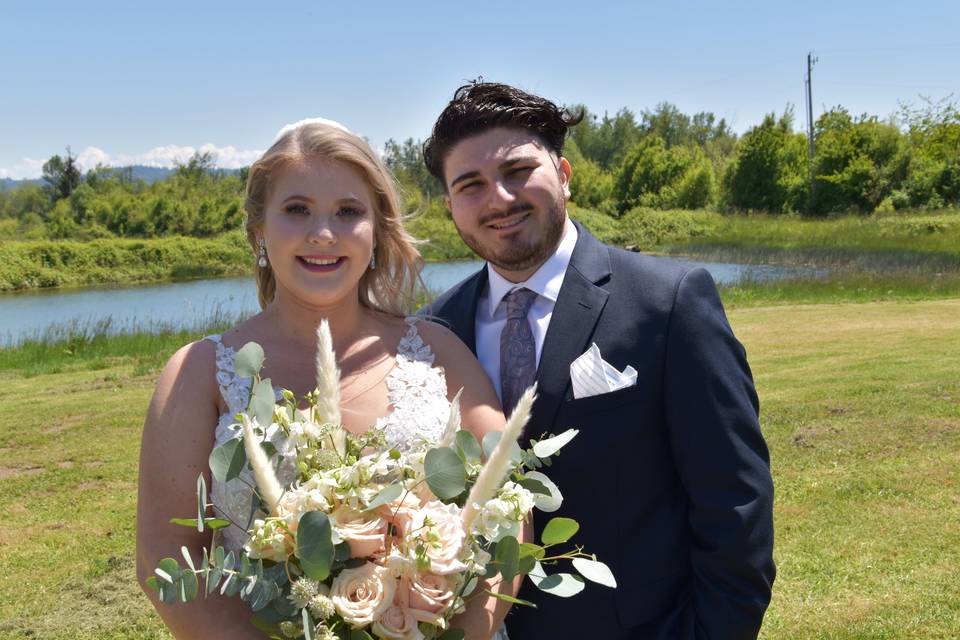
669,477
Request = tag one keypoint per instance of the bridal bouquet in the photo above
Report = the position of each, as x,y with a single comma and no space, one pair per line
370,540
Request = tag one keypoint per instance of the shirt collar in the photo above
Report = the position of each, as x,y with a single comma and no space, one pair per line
545,281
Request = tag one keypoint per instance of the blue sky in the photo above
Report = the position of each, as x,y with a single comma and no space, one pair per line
125,83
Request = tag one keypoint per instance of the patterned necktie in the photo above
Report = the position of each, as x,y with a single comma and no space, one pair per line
518,351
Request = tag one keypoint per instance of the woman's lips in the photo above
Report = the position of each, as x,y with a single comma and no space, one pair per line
321,264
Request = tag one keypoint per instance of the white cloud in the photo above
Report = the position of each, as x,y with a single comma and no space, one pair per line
228,157
90,157
25,168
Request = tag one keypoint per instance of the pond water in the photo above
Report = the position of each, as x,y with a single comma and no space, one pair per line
193,303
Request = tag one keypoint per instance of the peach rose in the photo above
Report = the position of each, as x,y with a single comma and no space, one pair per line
402,513
397,623
429,596
365,533
361,595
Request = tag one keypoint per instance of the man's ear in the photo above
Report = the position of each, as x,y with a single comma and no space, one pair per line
565,172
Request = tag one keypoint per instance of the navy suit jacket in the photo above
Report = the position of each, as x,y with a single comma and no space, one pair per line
669,479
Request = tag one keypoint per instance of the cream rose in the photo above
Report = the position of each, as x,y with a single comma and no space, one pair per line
429,596
365,533
361,595
442,531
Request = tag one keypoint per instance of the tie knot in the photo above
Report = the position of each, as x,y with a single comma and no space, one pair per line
519,302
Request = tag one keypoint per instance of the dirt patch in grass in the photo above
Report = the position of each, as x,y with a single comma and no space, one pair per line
809,437
19,472
64,424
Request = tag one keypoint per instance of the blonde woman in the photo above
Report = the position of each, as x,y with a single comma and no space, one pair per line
324,224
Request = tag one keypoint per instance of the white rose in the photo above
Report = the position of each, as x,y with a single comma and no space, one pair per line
497,519
443,538
361,595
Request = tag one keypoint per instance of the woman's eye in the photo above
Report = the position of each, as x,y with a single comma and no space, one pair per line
297,209
349,211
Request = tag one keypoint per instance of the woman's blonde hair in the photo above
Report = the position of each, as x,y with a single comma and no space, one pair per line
390,287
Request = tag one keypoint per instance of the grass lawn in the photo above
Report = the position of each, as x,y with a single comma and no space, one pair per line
860,408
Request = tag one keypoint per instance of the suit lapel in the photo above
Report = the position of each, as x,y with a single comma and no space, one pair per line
579,305
463,316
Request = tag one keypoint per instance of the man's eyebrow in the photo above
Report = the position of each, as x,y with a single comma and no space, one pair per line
512,161
466,176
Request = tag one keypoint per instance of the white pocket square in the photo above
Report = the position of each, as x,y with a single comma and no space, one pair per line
591,375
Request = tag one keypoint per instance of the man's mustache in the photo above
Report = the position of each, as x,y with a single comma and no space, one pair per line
520,207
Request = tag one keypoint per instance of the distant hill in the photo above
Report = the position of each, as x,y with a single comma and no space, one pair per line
140,172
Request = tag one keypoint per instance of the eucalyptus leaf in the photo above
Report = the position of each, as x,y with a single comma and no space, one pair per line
249,360
534,486
153,583
387,494
186,556
261,402
445,473
563,585
307,624
201,501
227,460
490,442
595,571
510,599
546,503
360,634
559,530
548,447
314,545
168,593
470,586
189,586
508,557
467,443
168,570
453,634
535,551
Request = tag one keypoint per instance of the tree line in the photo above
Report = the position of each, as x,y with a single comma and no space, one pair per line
660,158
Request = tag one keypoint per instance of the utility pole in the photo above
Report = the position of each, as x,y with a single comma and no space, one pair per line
811,60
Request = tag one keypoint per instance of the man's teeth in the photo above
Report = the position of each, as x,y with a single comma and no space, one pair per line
507,225
321,261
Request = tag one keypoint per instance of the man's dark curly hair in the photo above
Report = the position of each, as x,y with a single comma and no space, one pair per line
479,106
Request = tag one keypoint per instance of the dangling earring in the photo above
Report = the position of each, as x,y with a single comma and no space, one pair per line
373,260
262,261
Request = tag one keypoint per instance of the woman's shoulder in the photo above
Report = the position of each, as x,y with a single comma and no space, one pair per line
444,342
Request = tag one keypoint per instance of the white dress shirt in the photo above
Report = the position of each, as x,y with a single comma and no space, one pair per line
492,315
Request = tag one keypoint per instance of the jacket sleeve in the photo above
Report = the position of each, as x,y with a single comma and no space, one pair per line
711,411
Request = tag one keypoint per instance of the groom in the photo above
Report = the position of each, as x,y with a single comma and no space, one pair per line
669,476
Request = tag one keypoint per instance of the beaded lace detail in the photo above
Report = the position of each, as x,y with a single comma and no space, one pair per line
418,397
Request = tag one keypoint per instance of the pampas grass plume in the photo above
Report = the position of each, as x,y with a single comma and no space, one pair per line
270,489
496,467
328,387
453,422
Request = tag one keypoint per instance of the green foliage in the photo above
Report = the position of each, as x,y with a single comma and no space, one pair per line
768,171
858,162
315,544
62,176
46,263
657,175
445,473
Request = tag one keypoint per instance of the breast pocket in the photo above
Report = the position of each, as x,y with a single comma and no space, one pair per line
603,403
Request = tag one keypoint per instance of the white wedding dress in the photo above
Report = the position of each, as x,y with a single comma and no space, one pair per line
418,396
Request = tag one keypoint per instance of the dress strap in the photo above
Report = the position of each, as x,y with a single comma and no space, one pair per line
412,346
234,389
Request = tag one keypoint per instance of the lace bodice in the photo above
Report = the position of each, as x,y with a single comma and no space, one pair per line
417,391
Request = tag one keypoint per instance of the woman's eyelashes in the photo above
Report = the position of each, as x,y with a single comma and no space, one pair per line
344,211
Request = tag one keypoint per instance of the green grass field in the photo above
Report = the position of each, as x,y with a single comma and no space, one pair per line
859,406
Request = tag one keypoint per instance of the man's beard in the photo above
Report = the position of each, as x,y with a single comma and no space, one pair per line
520,256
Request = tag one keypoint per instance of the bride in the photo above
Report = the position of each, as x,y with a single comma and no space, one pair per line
324,222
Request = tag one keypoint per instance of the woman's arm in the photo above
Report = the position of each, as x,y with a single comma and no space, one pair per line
480,414
177,439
